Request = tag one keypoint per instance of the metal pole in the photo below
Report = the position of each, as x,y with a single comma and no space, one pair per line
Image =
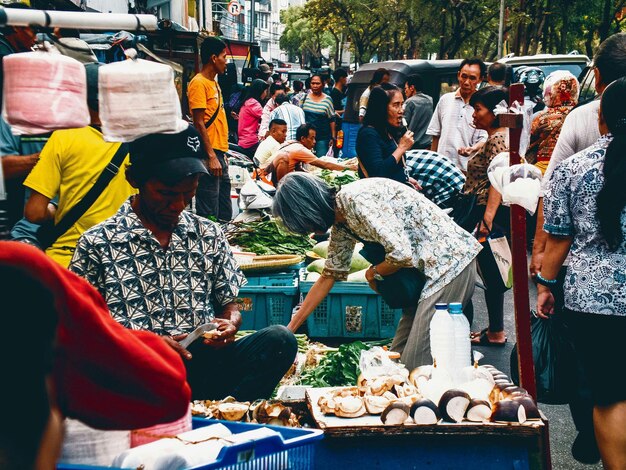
252,13
76,19
501,29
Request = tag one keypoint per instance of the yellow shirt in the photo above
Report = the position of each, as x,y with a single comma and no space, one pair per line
202,93
69,165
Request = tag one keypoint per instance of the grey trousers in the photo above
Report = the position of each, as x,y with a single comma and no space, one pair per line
412,337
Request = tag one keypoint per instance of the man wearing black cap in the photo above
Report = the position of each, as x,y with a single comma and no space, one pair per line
69,165
162,268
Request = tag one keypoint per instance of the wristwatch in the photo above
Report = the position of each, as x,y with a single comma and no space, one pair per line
377,276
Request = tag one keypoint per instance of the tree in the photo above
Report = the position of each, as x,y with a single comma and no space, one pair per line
300,38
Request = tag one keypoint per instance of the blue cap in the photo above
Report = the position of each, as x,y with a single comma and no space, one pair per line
456,307
441,306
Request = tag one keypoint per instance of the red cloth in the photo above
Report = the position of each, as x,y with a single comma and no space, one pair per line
107,376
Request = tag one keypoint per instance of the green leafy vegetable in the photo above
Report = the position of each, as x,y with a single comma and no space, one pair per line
267,237
339,178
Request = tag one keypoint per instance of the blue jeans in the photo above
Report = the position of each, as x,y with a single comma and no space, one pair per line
321,148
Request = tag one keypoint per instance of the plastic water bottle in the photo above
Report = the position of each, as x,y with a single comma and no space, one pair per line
442,338
462,344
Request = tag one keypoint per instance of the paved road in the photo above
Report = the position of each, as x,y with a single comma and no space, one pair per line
562,430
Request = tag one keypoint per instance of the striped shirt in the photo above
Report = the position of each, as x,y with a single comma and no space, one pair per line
292,115
319,114
439,178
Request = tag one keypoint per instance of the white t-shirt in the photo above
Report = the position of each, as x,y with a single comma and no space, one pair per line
452,122
265,150
579,131
363,100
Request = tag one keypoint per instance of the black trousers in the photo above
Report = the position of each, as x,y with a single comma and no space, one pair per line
213,194
248,369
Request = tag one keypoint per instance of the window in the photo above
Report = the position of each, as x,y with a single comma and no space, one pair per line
265,46
262,20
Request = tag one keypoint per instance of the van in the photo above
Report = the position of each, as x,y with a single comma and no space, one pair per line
439,77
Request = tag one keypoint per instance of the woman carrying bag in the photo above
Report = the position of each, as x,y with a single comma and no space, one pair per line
416,238
488,214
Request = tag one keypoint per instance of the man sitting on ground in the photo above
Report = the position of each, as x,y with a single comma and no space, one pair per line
164,269
294,154
277,136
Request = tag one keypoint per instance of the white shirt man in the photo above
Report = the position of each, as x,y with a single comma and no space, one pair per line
290,113
268,147
452,123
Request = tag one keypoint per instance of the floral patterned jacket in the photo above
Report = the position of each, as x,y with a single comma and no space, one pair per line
412,229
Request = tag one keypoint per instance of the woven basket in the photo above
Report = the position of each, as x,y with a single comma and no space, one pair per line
270,262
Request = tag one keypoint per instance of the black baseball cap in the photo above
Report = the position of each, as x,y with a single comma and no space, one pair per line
168,157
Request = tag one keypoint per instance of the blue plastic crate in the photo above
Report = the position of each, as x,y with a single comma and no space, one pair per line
294,449
268,299
351,310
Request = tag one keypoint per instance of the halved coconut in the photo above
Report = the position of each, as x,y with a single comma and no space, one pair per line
375,405
410,399
513,390
453,404
422,372
349,407
478,411
395,414
508,411
530,407
233,411
425,411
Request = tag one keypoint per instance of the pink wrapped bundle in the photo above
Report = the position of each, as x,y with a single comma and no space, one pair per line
44,92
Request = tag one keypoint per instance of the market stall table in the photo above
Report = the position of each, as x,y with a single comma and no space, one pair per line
366,443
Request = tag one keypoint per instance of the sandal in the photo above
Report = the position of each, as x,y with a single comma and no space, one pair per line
476,334
483,340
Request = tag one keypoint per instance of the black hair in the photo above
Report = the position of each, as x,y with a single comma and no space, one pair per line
377,78
277,122
255,90
610,58
475,61
304,130
298,85
490,96
415,81
611,199
307,83
211,46
497,72
318,75
282,98
376,113
339,74
276,86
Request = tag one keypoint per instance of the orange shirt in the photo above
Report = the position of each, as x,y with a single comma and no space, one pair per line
203,94
294,153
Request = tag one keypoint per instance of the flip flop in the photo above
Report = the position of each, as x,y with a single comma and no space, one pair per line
483,340
476,334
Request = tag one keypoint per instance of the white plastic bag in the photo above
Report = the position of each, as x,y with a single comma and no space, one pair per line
523,187
375,362
137,98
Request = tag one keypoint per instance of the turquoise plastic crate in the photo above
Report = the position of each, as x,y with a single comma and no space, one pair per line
268,299
293,449
350,310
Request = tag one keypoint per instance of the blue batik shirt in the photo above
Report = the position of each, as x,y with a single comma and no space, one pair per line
596,276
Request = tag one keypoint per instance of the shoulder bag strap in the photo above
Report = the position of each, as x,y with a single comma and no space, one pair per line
78,210
217,110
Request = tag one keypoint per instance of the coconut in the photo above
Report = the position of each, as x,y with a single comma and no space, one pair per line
478,411
453,404
395,414
349,407
434,389
375,405
233,411
508,411
424,372
424,411
530,407
513,390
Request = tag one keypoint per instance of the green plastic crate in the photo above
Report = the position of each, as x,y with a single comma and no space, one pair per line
351,310
268,299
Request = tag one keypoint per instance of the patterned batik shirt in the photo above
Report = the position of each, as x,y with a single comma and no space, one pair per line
439,178
413,231
148,288
596,276
477,181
